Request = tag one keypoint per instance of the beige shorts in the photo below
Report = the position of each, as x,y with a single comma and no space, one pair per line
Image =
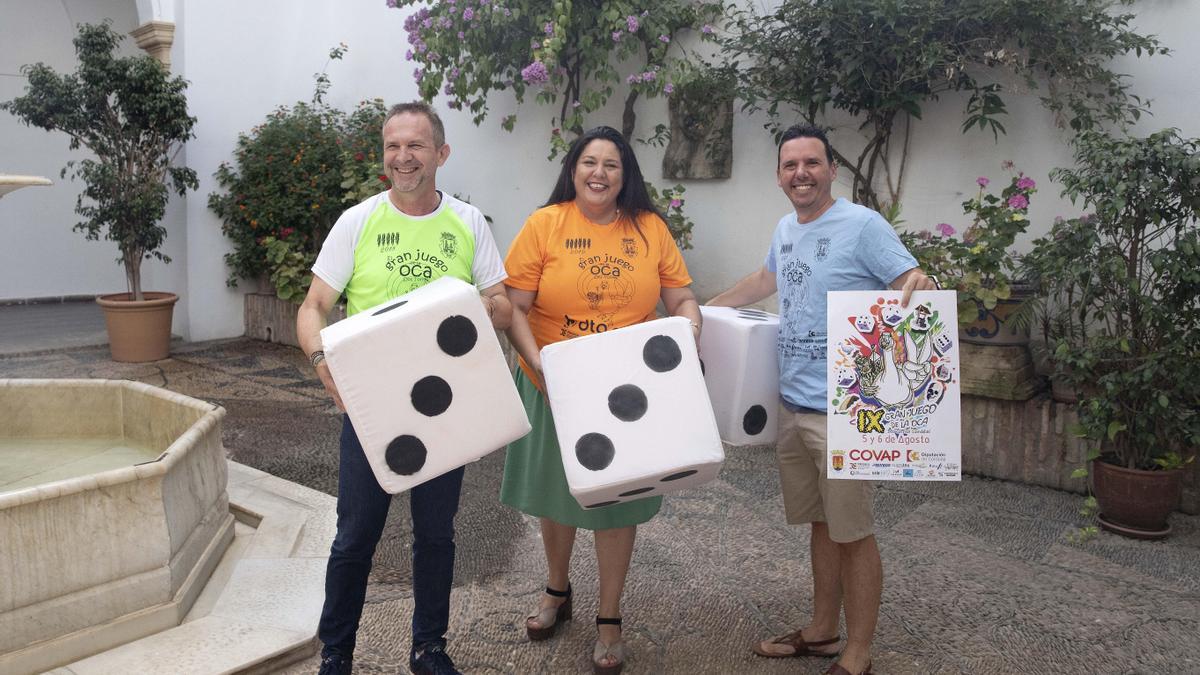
808,494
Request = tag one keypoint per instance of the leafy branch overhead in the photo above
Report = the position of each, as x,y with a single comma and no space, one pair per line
132,115
880,62
569,53
566,52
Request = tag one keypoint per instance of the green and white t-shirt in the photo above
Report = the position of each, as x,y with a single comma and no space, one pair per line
375,252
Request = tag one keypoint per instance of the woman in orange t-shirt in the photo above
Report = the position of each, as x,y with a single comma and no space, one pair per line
597,257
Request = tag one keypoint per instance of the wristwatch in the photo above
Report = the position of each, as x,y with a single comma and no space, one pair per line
316,357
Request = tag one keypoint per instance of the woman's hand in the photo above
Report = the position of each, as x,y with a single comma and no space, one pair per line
682,302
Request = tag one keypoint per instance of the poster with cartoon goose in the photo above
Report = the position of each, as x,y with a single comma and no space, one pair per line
893,386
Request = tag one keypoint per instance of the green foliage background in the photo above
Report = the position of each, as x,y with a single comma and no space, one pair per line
291,178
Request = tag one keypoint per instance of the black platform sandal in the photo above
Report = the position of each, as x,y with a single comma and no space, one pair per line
616,650
549,617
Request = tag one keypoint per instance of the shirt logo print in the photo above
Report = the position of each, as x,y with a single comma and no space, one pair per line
448,245
387,239
578,244
822,250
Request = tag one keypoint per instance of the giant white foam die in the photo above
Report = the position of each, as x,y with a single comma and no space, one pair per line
741,369
632,413
425,383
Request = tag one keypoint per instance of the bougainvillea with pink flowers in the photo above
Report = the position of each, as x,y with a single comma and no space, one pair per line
576,55
572,54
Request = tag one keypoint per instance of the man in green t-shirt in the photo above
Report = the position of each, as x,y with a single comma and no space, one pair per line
386,246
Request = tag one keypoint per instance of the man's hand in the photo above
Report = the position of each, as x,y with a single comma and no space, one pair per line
310,319
497,305
912,280
757,286
330,386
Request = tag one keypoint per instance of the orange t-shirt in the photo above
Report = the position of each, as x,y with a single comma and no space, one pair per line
591,278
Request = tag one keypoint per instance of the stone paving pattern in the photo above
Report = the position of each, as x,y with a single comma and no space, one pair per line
979,575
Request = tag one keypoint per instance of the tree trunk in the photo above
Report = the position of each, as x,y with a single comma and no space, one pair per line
133,274
629,118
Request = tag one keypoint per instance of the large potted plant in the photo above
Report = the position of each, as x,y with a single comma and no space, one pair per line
1125,318
132,115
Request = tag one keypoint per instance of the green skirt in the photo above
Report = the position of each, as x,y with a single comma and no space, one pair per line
534,481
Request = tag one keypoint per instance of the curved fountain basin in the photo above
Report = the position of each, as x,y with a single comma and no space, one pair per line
112,535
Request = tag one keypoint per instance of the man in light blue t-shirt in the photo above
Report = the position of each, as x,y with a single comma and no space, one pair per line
823,245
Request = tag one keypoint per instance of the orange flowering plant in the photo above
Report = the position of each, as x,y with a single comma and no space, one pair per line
290,178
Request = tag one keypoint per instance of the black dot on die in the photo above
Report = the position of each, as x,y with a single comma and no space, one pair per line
661,353
457,335
594,451
431,395
639,491
627,403
755,420
677,476
600,504
405,455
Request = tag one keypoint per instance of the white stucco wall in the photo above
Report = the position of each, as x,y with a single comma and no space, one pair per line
245,58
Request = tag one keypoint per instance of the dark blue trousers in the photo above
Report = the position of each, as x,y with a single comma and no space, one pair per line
362,511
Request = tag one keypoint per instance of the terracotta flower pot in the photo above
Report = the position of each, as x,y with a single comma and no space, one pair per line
1133,502
138,331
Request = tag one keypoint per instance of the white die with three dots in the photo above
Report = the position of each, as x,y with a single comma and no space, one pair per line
632,413
741,368
425,383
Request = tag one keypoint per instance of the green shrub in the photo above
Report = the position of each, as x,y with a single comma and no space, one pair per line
290,179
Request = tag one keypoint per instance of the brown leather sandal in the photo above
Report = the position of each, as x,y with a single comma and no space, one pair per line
549,617
837,669
615,650
800,646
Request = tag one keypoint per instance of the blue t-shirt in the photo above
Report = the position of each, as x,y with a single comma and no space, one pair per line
849,248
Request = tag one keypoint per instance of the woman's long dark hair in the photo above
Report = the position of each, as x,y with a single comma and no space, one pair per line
632,200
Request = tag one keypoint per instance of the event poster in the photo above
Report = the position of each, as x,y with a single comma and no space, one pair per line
893,376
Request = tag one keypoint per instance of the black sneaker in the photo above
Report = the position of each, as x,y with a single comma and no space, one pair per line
335,664
432,660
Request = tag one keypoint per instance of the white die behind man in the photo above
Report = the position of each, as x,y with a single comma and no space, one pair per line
741,369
